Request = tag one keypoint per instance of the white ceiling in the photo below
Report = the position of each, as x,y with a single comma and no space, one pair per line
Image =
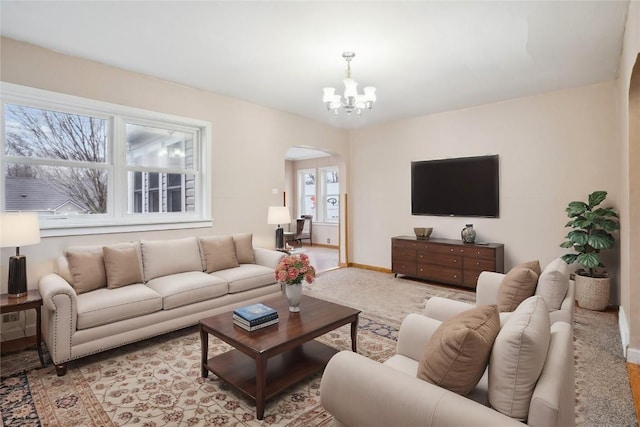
423,57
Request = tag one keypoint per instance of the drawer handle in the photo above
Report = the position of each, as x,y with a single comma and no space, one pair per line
455,276
452,250
477,263
461,251
455,260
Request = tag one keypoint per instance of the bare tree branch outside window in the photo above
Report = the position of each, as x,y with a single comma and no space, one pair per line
52,135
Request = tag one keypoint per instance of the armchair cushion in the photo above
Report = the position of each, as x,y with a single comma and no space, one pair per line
517,285
532,265
553,283
517,358
456,356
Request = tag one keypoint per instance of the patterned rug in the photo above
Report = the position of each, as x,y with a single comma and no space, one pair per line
157,382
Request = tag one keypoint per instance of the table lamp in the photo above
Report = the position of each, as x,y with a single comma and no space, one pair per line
279,215
18,229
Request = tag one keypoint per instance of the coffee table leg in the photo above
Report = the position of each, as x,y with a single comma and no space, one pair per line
204,352
261,384
354,334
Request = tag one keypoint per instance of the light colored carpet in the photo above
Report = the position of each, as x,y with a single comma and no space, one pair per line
157,382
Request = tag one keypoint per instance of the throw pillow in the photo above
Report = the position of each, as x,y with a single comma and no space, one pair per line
516,286
219,253
86,265
517,358
122,264
553,284
456,356
165,257
532,265
244,248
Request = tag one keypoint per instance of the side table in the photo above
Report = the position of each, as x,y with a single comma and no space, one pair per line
32,300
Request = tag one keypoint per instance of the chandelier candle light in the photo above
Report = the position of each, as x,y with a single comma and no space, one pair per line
352,101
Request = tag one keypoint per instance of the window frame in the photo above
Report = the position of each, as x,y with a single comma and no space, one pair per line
117,219
320,193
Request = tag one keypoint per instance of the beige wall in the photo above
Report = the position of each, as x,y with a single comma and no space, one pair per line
629,107
248,144
553,148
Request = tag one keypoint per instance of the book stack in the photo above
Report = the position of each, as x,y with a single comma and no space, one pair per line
254,316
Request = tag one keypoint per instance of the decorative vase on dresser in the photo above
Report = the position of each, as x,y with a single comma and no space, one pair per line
468,234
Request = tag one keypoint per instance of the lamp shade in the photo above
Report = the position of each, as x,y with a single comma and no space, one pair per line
19,229
278,215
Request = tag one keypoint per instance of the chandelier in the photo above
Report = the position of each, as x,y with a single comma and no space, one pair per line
352,101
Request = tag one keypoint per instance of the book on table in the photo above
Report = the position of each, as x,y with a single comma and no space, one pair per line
255,312
255,327
270,317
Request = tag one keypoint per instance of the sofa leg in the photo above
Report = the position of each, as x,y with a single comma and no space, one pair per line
61,369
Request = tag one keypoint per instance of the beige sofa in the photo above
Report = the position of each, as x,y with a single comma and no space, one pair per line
103,297
360,392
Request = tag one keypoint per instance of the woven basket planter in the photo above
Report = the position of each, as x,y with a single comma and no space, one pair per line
592,293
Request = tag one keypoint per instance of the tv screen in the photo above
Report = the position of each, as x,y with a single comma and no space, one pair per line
467,186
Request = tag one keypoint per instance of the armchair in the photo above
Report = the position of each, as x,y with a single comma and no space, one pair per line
361,392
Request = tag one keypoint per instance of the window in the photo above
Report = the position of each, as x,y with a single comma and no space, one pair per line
80,163
321,201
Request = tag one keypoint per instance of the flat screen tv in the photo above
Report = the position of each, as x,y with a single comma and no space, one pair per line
466,186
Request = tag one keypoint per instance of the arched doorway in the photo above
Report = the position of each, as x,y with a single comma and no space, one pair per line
315,186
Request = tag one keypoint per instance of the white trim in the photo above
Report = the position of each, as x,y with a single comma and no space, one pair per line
630,353
624,330
117,219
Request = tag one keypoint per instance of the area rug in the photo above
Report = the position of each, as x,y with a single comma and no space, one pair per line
157,382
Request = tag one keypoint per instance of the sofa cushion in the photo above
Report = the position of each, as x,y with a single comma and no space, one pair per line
165,257
122,264
516,286
553,283
456,356
532,265
86,265
517,358
246,276
104,306
181,289
244,248
219,253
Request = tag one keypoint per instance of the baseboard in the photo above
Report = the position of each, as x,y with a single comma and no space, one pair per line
630,353
624,330
370,267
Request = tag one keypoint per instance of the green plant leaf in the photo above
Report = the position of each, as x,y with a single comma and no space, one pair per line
600,240
590,260
576,208
569,258
606,212
608,225
596,198
582,223
567,244
578,237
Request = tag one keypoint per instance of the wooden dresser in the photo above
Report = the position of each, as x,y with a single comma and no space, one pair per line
444,260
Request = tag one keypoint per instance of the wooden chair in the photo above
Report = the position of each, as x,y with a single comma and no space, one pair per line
301,232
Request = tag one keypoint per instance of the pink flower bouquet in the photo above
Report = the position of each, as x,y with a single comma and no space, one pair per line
293,268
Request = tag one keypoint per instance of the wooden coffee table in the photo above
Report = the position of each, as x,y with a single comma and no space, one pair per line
288,347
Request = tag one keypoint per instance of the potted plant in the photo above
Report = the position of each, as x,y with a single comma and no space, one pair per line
592,229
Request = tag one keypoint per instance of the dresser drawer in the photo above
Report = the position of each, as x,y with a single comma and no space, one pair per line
476,252
403,255
440,274
399,267
470,277
398,244
444,260
479,264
